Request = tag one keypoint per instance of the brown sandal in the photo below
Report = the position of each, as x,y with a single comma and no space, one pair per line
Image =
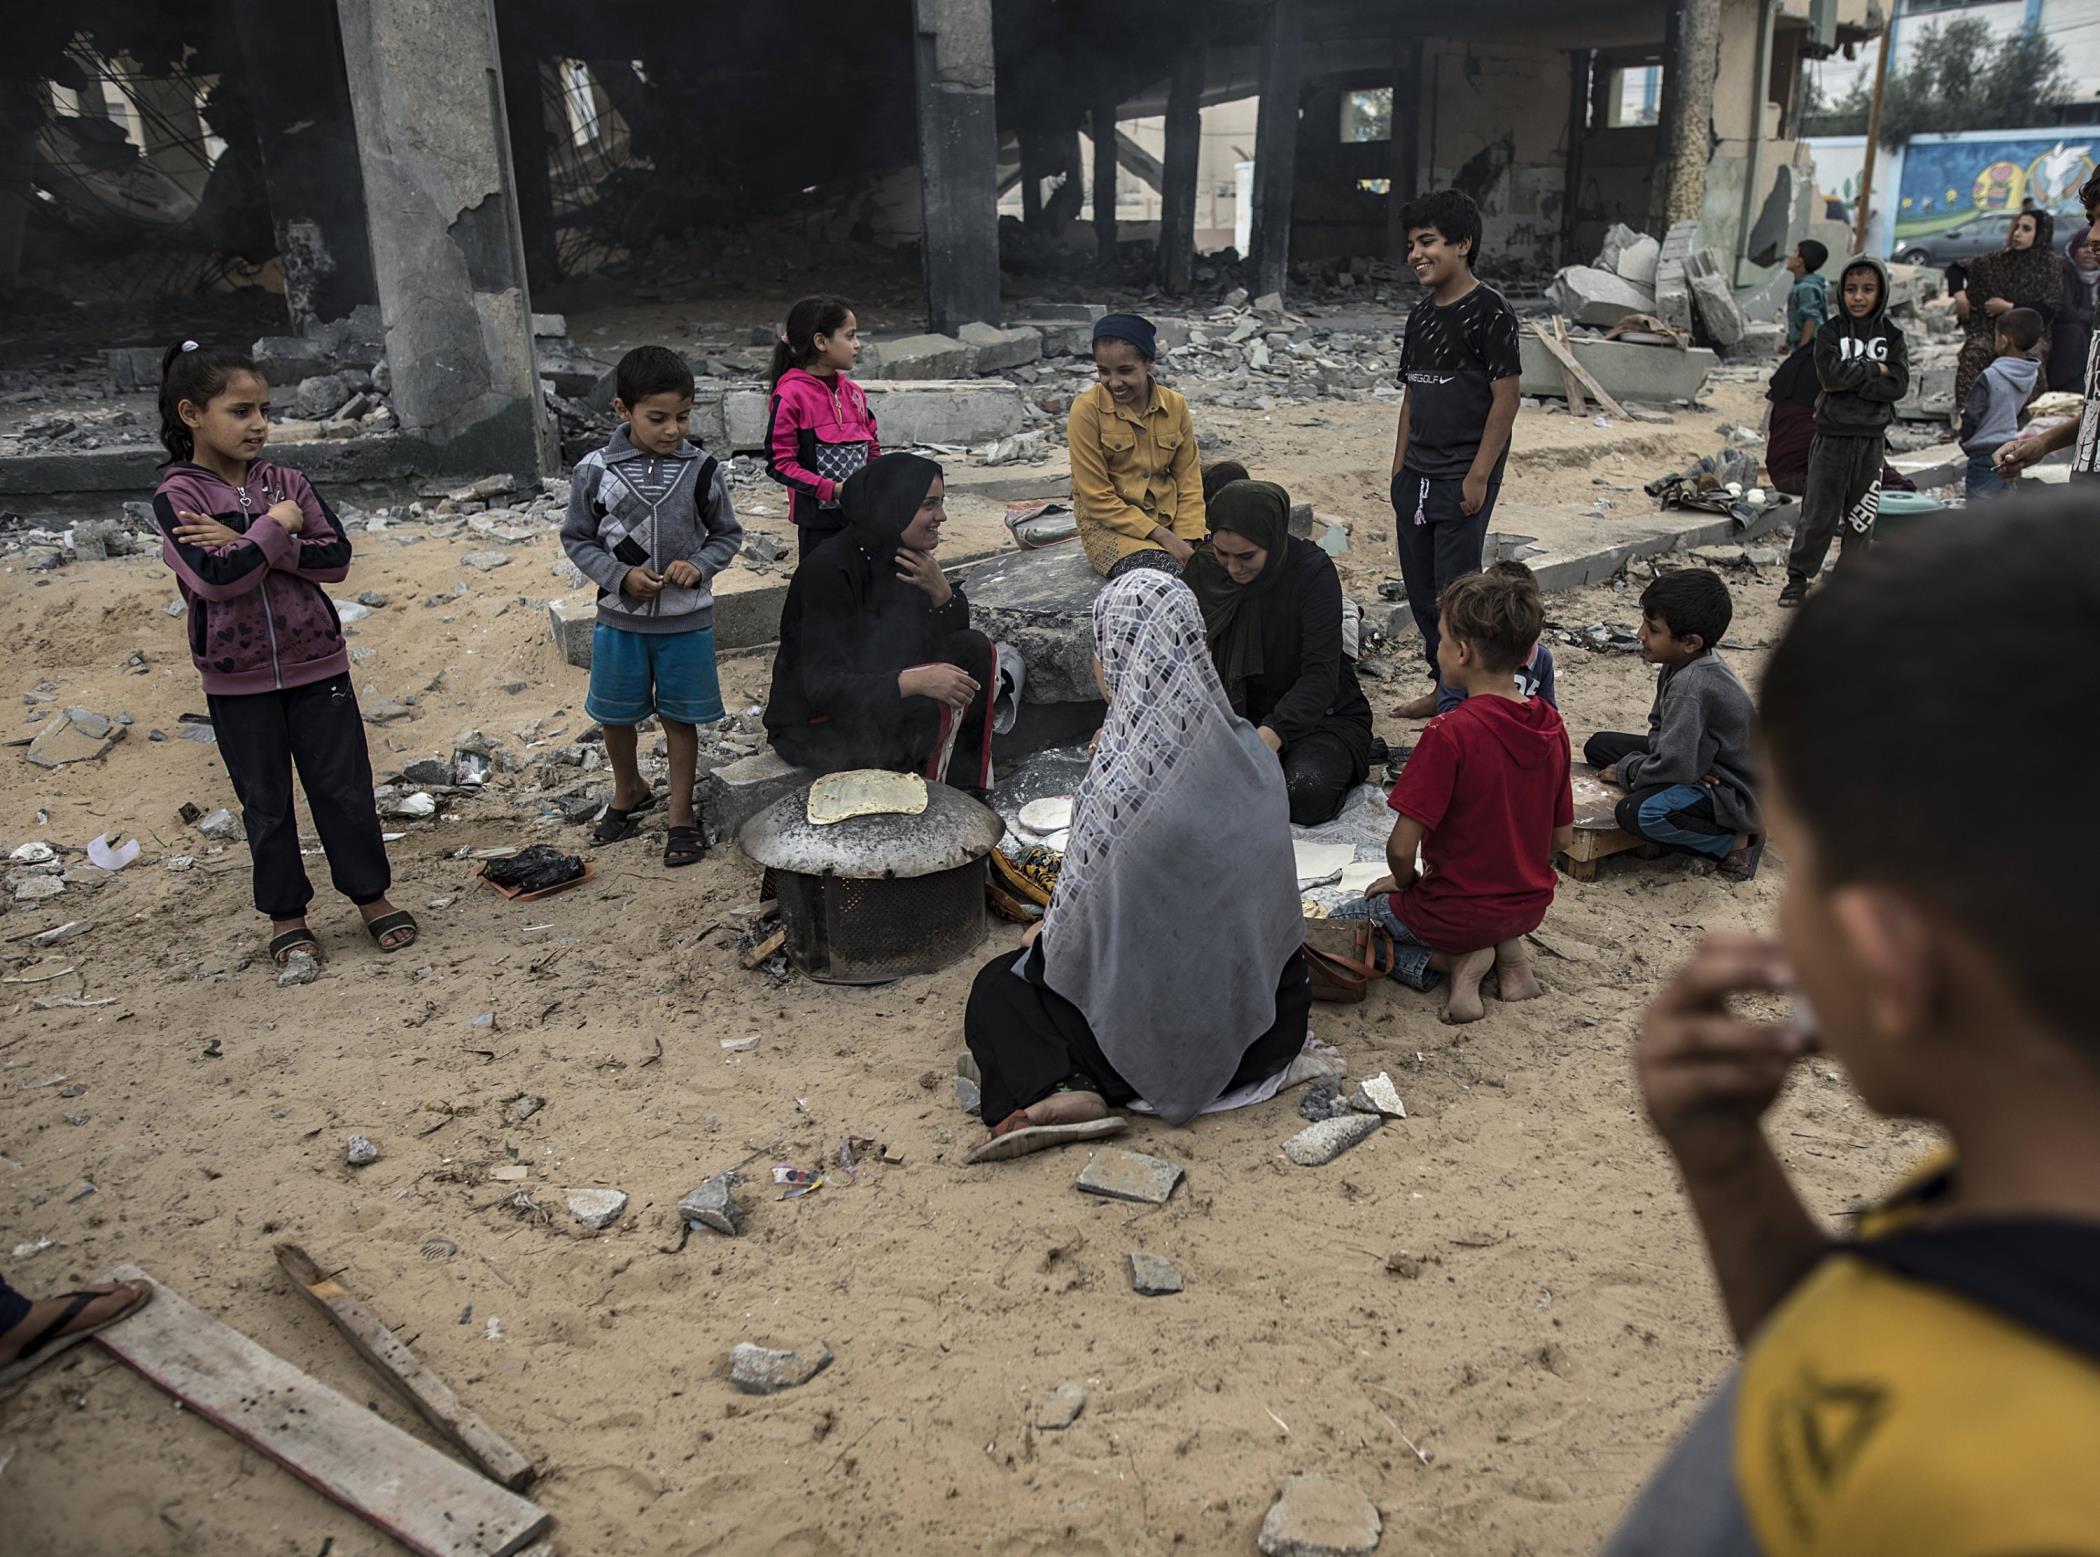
1016,1136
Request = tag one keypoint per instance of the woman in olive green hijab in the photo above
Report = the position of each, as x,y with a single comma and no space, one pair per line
1272,611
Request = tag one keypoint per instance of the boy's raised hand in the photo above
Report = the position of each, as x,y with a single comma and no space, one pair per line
642,584
683,574
202,530
1707,1074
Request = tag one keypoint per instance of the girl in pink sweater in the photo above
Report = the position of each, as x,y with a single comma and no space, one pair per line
822,429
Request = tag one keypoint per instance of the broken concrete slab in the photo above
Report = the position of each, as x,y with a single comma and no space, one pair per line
1636,262
999,349
967,412
713,1205
1673,293
597,1209
924,357
284,359
729,796
1042,603
1153,1276
1121,1175
62,741
1627,370
1597,297
1317,1516
1713,299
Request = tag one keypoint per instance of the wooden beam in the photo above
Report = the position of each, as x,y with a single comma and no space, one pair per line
342,1449
1570,385
1569,366
405,1372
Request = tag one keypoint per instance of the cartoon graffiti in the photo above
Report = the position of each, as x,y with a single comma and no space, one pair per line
1945,182
1999,186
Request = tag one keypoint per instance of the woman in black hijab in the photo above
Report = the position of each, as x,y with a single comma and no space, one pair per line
1272,610
878,666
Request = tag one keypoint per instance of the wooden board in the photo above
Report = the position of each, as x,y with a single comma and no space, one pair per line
1597,831
1570,385
345,1451
405,1371
1571,367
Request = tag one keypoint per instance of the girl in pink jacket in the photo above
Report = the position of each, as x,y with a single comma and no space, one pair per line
822,429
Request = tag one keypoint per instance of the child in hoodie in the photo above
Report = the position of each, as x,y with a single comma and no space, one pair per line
1691,781
1863,366
1485,798
1990,418
650,523
251,544
822,429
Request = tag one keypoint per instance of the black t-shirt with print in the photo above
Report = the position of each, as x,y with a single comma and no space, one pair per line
1449,359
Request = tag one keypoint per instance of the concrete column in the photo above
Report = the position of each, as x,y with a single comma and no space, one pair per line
1177,213
292,55
1406,147
1685,134
1101,124
525,109
1276,146
1579,72
958,160
1034,169
427,95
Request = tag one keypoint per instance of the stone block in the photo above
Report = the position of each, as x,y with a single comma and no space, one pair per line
1713,299
1627,370
997,349
358,337
133,368
1673,294
1153,1276
1318,1144
1061,337
319,395
597,1209
766,1370
1597,297
1317,1516
925,357
962,413
1042,604
734,793
549,325
1636,261
1121,1175
744,420
571,369
572,623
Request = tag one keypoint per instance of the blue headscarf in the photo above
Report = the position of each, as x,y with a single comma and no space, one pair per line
1129,327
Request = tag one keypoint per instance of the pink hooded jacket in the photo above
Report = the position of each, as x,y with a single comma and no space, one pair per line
822,432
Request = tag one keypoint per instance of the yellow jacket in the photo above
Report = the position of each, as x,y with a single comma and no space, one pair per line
1131,472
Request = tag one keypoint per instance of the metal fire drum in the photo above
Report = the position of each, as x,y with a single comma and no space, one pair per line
876,898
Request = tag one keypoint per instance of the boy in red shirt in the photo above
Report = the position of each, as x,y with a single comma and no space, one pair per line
1486,798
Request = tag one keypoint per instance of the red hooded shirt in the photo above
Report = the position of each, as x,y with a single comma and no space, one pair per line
1489,782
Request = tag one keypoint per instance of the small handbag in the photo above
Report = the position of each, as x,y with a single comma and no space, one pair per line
1344,956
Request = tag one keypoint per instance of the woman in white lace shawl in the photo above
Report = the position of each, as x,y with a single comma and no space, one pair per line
1168,967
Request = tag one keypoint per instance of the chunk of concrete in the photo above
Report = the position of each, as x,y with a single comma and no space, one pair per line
1060,1408
572,622
1153,1276
968,412
1673,293
1121,1175
766,1370
1060,337
1713,299
925,357
713,1205
1317,1516
284,359
1319,1144
62,740
997,349
597,1209
1591,296
1637,260
133,368
571,369
1627,370
1042,604
734,793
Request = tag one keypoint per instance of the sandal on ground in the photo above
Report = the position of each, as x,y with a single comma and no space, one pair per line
55,1339
617,824
1741,864
387,924
683,846
1795,593
1014,1136
282,946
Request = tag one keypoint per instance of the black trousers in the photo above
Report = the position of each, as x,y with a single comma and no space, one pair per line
1319,770
1840,500
1439,549
1681,815
811,534
1028,1040
317,729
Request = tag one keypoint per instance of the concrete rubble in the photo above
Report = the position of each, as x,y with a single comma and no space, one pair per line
1317,1516
766,1370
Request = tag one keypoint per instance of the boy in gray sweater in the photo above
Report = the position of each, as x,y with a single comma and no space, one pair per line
650,523
1691,781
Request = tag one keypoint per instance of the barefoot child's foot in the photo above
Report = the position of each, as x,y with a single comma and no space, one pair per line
1465,1004
1423,707
1515,978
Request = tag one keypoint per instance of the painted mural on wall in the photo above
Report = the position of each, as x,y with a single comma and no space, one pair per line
1944,183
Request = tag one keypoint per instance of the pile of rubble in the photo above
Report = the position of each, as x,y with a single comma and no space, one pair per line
1677,281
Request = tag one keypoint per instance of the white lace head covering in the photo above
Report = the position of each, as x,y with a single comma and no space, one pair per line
1177,900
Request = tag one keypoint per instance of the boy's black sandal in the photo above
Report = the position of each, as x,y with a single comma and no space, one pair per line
684,846
282,947
617,824
387,924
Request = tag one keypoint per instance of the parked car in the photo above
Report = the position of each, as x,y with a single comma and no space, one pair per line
1983,233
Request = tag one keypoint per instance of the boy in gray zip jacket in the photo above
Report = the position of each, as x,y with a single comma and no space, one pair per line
651,524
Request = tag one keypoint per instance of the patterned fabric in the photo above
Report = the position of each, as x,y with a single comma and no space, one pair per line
1155,560
835,462
1179,860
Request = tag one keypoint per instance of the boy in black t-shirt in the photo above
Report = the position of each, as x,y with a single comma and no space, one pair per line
1458,367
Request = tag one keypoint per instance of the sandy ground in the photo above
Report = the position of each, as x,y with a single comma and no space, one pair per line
1559,1331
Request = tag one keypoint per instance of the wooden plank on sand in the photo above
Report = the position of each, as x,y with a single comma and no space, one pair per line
350,1454
1571,366
1570,385
405,1371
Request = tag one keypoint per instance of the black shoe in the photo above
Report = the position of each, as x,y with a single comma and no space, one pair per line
1795,592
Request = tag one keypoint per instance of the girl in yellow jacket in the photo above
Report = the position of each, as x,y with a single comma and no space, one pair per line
1136,488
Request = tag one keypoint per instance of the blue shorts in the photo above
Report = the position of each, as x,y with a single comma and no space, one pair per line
671,675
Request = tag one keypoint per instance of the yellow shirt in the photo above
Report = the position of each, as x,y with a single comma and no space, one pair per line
1131,472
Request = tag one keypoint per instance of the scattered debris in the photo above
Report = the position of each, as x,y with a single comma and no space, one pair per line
1377,1095
1153,1276
762,1370
597,1209
1316,1516
1060,1408
300,968
1321,1143
1123,1175
359,1151
713,1205
1322,1099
